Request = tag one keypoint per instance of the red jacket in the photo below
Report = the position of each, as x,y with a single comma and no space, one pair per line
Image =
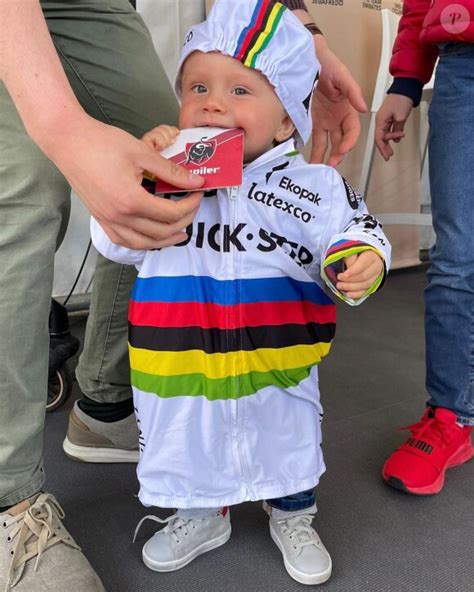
423,25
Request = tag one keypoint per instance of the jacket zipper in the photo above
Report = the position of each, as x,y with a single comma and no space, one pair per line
233,196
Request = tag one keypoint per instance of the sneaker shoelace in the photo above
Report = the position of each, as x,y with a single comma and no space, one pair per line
176,526
33,533
432,430
299,530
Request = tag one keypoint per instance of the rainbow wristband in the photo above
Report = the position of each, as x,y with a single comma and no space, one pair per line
335,254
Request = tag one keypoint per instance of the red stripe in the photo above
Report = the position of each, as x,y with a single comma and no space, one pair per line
250,34
343,246
221,138
207,316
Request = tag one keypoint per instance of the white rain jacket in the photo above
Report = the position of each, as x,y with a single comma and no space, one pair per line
227,330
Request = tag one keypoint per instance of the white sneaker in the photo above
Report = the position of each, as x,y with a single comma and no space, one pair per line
184,539
304,555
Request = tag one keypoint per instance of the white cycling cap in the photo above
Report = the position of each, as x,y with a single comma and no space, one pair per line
266,36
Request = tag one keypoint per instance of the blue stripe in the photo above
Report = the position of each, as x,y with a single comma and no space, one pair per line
340,242
203,289
248,27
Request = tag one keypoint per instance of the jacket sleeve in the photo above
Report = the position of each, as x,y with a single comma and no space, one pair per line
111,251
351,230
412,62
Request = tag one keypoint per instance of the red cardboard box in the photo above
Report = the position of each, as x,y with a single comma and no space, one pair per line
212,152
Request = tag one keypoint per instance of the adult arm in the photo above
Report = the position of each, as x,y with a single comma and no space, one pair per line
82,147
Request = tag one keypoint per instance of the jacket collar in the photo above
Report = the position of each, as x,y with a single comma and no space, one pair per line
271,157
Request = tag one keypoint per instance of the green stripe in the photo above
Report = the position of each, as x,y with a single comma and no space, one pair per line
375,286
269,35
214,389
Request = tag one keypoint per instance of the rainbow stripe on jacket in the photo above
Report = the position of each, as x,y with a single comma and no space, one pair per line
194,335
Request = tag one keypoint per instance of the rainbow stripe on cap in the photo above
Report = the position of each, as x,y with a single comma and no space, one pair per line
258,33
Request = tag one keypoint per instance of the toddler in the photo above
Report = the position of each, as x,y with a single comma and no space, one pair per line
228,327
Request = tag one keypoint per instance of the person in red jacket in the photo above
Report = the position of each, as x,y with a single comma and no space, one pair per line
428,29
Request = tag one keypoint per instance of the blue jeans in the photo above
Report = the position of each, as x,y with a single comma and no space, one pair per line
292,503
449,296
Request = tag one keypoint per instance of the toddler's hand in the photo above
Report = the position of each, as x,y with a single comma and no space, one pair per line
361,272
161,137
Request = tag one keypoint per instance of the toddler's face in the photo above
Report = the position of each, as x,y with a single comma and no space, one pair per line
219,91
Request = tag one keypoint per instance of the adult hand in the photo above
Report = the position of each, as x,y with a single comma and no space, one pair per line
390,122
337,102
104,165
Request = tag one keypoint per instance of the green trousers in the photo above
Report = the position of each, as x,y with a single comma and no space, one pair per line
110,61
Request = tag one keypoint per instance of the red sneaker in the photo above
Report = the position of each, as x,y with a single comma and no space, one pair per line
437,443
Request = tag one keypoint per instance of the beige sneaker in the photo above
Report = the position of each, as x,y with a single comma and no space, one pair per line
90,440
37,554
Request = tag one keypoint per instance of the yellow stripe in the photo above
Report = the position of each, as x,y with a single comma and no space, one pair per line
348,252
169,363
263,35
